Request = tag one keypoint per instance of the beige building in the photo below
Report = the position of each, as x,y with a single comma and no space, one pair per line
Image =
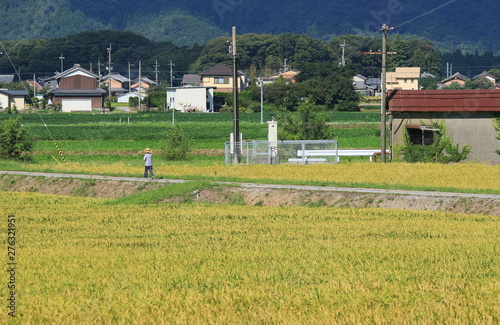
13,98
403,78
220,77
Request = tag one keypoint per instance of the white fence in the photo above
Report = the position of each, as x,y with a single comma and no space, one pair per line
279,152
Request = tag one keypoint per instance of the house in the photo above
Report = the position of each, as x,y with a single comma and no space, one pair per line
366,86
358,82
34,84
191,80
142,84
427,74
220,76
6,78
488,76
77,90
403,78
468,117
191,99
290,76
119,84
13,98
457,78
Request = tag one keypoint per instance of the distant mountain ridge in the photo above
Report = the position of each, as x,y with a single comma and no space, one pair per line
472,25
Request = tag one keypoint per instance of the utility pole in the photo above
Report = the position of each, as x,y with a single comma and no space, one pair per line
236,121
261,101
156,71
140,89
34,86
99,64
171,73
129,81
109,79
62,59
383,106
342,63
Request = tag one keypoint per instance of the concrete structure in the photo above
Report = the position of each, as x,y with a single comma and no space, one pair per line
191,99
13,98
77,90
403,78
468,116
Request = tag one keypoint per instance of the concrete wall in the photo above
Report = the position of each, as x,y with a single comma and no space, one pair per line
197,98
464,128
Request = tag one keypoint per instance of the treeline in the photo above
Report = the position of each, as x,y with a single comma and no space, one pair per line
258,54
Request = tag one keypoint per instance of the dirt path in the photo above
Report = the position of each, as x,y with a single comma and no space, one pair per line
255,194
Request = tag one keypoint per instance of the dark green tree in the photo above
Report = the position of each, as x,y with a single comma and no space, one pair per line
479,83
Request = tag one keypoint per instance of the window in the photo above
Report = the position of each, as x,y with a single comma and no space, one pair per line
221,80
422,135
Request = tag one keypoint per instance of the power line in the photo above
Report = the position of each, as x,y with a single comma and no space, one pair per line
426,13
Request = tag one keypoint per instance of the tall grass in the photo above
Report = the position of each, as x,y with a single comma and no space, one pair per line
424,176
84,262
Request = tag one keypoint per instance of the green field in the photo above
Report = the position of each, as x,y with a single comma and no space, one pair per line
135,131
84,261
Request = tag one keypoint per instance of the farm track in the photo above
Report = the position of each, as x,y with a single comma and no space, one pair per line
259,194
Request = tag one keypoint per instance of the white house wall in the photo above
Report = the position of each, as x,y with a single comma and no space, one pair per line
184,99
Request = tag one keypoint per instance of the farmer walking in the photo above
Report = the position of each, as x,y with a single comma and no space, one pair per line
148,163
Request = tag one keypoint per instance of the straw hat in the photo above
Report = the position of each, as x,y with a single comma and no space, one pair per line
147,150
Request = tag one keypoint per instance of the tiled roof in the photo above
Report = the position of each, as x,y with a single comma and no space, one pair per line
96,91
191,78
218,70
117,76
485,74
454,77
14,92
6,78
76,67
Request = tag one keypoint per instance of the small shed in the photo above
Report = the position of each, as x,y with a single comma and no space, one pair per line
468,116
11,98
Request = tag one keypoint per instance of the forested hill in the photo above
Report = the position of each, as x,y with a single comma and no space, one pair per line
472,24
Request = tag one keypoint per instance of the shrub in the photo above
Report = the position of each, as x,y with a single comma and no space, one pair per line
177,146
15,142
442,150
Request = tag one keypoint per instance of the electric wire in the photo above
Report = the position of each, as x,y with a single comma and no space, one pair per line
32,102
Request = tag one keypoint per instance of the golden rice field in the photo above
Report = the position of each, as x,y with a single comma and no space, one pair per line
82,261
461,177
